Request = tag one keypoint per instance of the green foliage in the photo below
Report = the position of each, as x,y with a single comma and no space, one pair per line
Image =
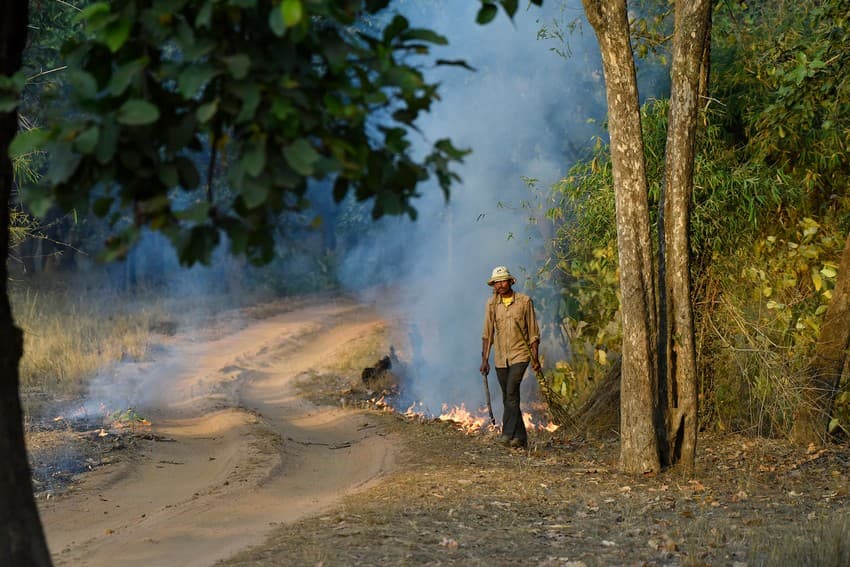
783,68
758,308
283,93
763,319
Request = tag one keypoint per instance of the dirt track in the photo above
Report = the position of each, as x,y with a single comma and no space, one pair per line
247,454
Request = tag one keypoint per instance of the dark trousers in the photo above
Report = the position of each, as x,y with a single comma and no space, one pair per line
509,379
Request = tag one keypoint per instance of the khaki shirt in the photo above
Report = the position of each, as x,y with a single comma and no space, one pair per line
509,325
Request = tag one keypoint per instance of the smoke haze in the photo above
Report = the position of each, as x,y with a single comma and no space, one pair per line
524,113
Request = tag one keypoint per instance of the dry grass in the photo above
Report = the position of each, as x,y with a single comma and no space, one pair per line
77,325
822,543
68,337
464,500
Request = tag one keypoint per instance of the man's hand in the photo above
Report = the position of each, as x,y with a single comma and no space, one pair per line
485,368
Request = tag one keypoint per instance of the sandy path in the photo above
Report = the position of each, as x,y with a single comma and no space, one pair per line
248,453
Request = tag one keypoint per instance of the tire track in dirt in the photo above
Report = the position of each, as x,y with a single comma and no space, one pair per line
248,452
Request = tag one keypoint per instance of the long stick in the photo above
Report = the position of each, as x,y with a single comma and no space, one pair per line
487,396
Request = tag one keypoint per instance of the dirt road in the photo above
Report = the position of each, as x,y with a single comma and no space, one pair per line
241,453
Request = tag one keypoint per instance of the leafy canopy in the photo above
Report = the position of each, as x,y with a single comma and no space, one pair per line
279,94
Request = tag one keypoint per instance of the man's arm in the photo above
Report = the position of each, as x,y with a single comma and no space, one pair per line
485,357
535,358
486,340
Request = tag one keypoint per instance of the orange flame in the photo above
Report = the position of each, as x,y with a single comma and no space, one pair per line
468,422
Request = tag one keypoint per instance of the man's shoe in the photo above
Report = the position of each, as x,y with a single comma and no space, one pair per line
504,440
516,443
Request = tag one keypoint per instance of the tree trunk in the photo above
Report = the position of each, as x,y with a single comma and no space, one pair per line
823,373
677,350
639,447
21,536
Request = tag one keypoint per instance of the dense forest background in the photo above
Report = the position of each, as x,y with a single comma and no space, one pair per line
770,211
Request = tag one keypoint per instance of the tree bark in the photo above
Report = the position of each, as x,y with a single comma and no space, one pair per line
21,536
677,348
823,373
639,447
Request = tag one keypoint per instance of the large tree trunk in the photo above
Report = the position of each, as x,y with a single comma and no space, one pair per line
21,536
823,373
677,349
639,447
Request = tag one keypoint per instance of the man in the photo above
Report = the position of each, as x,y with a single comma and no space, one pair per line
510,324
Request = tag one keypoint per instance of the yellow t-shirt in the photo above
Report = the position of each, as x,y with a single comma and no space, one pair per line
507,301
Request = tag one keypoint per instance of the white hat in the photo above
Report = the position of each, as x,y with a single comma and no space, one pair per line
500,274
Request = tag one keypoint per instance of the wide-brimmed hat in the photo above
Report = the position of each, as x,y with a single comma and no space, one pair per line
500,274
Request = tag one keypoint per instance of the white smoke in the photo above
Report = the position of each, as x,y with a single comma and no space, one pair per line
522,113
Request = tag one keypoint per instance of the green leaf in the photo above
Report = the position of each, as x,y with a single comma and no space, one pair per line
395,27
63,164
107,142
86,142
98,8
486,13
390,203
27,141
193,77
834,423
292,12
197,212
206,111
829,272
137,112
254,193
237,65
204,17
510,6
254,158
38,200
276,22
122,76
301,157
250,95
83,85
424,35
115,34
8,101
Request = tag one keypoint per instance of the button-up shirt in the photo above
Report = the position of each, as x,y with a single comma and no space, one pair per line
505,327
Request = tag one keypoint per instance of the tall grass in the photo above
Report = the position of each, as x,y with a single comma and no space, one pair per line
79,324
69,335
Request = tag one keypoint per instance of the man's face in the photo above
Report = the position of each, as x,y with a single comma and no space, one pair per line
503,287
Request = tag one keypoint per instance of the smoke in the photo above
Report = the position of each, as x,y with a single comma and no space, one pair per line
526,113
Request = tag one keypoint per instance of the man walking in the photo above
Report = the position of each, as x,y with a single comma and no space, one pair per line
510,325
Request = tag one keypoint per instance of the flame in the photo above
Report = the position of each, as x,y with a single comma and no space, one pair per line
467,421
470,422
528,419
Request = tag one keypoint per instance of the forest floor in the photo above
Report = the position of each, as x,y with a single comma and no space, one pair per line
256,444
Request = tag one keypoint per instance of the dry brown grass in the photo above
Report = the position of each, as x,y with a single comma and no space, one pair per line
68,337
75,326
